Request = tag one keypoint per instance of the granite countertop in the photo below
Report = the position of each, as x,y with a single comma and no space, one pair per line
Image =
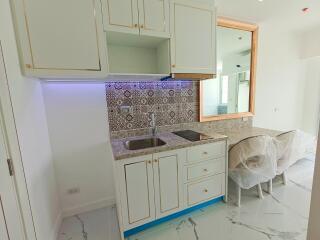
175,142
235,136
172,142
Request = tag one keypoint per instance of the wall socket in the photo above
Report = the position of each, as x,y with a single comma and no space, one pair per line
73,191
245,119
126,109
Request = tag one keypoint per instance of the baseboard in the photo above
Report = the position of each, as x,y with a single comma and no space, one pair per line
88,207
56,227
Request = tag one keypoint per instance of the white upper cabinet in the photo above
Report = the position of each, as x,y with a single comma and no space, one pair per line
193,42
145,17
61,38
154,17
121,15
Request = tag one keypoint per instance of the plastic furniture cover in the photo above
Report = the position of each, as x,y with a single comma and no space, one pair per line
291,147
253,161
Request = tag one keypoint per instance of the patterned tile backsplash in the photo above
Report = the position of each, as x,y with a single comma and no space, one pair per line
175,104
172,102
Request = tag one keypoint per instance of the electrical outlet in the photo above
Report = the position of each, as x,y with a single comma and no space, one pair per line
245,119
126,109
73,191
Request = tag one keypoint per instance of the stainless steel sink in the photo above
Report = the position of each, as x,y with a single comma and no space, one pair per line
143,143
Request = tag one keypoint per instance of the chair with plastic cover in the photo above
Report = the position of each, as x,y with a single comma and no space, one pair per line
252,161
291,147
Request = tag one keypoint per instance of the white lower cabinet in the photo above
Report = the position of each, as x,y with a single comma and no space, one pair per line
168,182
154,186
135,182
204,190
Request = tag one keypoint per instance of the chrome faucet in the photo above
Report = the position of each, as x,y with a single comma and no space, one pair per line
153,124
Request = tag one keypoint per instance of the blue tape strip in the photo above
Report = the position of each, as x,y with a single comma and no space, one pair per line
170,217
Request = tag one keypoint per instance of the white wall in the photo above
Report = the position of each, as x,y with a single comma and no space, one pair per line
310,46
78,126
280,78
311,106
31,124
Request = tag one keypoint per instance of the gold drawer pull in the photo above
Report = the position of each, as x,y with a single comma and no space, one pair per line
28,66
149,161
205,170
141,26
173,65
155,160
205,190
205,153
136,25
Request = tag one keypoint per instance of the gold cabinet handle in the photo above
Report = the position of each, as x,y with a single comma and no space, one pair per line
150,162
205,170
205,190
205,153
173,65
156,160
28,66
142,26
136,25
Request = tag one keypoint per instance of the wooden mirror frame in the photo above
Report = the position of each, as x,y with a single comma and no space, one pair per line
229,23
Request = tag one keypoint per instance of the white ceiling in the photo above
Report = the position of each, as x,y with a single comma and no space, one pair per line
286,12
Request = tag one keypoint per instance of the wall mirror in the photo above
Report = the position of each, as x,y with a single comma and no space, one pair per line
231,93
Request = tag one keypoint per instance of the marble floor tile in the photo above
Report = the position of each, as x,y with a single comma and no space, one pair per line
282,215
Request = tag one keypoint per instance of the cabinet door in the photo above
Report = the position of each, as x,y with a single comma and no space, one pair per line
137,191
154,17
61,38
168,182
121,15
193,41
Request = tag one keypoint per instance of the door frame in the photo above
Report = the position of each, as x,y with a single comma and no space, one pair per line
314,217
14,153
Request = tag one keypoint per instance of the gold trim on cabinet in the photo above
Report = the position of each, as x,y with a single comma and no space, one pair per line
125,175
194,76
70,69
178,192
200,181
175,43
120,25
164,19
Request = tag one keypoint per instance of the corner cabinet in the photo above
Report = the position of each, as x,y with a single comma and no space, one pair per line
144,17
193,41
155,186
61,38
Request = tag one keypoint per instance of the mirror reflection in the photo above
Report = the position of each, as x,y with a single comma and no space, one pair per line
229,92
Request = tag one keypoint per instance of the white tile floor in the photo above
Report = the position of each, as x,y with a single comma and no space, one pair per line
280,216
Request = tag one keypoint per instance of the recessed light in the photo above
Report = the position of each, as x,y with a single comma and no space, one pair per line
260,0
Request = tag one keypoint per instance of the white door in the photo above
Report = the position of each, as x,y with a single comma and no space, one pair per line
193,42
168,182
11,225
3,229
154,18
137,191
121,15
61,38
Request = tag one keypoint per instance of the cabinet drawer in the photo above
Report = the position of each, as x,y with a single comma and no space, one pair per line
205,152
205,190
204,169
